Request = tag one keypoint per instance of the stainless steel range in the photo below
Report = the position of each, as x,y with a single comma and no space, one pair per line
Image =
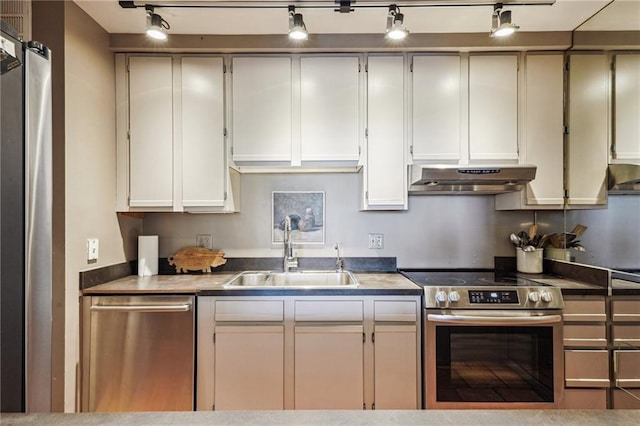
490,341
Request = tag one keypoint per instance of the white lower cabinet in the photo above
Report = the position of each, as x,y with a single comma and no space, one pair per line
329,367
395,366
249,367
308,352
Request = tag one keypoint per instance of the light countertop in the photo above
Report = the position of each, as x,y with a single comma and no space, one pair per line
212,284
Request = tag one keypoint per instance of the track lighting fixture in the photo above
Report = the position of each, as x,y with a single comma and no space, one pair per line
501,25
297,29
156,26
395,24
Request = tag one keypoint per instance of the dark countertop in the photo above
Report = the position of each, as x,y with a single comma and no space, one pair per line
339,417
378,283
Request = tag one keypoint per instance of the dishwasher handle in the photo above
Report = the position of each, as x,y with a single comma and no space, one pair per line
143,308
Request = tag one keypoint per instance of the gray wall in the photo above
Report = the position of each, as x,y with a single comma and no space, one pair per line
436,232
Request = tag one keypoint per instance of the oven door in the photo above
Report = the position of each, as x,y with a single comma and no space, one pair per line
493,359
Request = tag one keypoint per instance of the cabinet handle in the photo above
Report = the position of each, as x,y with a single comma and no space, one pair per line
373,337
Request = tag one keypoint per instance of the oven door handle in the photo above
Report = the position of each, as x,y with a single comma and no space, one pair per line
489,320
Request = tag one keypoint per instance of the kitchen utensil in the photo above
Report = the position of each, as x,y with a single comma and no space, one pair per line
578,230
533,230
543,241
515,240
528,248
524,238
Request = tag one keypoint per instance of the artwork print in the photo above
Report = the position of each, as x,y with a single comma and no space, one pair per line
306,210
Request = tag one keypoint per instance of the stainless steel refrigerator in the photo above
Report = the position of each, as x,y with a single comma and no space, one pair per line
26,222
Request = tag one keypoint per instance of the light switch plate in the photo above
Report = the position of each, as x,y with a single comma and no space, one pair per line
92,248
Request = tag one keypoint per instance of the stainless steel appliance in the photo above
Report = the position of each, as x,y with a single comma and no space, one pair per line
26,252
490,341
476,179
138,353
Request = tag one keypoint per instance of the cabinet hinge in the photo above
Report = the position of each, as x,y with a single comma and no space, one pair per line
566,65
224,132
214,337
411,149
224,69
373,337
359,67
231,69
411,67
613,65
129,134
566,130
364,337
225,195
566,194
359,150
366,68
366,132
366,195
231,149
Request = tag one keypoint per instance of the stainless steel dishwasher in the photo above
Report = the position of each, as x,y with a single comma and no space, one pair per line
138,353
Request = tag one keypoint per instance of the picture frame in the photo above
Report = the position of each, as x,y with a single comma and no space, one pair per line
307,212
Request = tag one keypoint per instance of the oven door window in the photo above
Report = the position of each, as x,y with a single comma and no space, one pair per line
494,364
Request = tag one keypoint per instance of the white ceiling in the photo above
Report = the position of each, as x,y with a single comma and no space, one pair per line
564,15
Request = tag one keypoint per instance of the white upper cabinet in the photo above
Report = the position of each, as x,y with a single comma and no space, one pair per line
385,167
588,139
542,134
493,107
626,144
151,131
171,152
261,117
330,108
203,153
436,108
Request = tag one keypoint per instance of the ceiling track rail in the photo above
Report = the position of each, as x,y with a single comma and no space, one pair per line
338,5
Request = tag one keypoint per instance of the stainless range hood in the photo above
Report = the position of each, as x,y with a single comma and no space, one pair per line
624,179
480,180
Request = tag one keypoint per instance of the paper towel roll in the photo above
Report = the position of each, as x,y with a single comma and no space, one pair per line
147,255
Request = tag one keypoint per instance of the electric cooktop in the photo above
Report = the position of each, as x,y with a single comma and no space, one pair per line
467,279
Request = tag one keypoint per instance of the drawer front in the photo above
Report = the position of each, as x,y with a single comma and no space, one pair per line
625,310
249,310
592,336
626,366
584,399
622,400
586,368
334,310
626,336
395,310
584,310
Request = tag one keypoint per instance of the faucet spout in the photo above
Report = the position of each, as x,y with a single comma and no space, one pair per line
339,261
289,261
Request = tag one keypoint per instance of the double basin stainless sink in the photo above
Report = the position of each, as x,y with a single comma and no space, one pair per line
299,279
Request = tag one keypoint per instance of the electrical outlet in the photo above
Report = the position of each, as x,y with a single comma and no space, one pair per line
204,240
92,249
376,241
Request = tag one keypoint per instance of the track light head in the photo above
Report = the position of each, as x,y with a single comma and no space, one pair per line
297,28
501,25
156,26
395,24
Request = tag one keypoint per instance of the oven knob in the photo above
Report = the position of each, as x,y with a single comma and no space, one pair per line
534,296
441,296
454,296
546,297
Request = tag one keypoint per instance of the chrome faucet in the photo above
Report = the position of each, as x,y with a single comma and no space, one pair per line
339,261
289,261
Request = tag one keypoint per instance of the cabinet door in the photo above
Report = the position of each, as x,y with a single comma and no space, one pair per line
588,129
261,123
151,131
203,154
249,368
586,368
493,107
436,108
328,367
627,107
543,128
330,108
386,170
395,367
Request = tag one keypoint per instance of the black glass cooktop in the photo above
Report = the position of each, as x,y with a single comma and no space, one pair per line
467,279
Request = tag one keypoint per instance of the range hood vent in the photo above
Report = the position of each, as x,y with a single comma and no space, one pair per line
624,179
481,180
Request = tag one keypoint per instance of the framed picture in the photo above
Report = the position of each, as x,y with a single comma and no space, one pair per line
306,210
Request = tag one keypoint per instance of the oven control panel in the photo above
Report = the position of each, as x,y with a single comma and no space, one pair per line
493,297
